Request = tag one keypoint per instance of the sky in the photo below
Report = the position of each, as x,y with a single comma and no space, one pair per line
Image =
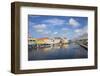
71,27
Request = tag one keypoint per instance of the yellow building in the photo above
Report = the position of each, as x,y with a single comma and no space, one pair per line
32,41
56,40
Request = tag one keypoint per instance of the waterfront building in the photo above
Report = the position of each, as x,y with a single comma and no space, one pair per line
31,41
47,41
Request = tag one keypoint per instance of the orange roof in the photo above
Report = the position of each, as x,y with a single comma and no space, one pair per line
43,38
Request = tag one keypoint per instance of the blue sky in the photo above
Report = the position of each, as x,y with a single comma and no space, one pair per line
56,26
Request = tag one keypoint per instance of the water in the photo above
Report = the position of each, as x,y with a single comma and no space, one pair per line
68,51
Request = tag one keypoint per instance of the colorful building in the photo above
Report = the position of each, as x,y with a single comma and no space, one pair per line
47,41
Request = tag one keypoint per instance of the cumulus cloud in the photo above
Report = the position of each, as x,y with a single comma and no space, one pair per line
78,30
46,32
64,29
73,22
39,27
55,21
83,30
55,32
31,23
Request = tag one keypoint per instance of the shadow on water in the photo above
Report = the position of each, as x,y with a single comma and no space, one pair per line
66,51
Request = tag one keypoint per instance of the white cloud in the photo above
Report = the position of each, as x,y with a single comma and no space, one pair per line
31,23
78,30
40,30
64,29
64,35
73,22
40,27
55,32
55,21
46,32
85,29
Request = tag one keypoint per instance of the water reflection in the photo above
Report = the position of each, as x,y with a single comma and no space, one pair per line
46,49
67,51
